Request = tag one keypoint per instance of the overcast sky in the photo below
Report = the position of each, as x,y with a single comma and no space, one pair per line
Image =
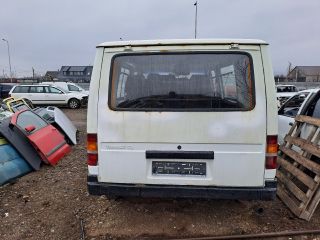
48,34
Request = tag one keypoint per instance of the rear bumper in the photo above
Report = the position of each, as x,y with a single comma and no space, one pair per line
268,192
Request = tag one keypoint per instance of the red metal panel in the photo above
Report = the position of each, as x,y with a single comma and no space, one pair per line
51,143
48,141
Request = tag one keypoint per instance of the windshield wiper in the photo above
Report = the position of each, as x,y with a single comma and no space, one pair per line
141,102
158,101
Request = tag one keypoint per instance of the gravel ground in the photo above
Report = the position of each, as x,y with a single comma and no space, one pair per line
53,203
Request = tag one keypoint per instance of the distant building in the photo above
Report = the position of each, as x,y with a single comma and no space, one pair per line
51,75
304,74
78,74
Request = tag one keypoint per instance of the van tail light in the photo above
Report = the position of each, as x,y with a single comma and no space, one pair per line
92,149
271,152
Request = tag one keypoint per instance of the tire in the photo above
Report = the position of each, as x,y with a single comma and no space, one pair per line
74,103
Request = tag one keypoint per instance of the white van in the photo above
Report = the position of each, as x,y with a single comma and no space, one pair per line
68,86
182,118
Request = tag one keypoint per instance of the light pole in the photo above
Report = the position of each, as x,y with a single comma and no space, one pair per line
195,19
8,56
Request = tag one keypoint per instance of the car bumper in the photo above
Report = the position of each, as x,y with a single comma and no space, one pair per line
268,192
84,101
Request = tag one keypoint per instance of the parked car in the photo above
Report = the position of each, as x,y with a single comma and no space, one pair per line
68,86
42,94
284,92
5,89
182,118
305,102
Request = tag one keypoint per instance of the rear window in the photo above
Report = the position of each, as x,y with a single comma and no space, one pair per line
182,82
286,89
27,118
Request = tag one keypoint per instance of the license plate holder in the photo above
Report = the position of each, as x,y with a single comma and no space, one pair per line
179,168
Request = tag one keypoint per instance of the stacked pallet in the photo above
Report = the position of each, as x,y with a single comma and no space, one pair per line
299,167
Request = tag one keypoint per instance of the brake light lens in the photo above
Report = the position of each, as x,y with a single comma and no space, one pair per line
92,159
92,149
271,152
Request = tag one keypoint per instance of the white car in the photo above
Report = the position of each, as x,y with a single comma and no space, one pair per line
284,92
183,118
68,86
305,102
41,94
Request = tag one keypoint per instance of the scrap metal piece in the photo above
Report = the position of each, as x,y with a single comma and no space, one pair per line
56,117
20,142
12,165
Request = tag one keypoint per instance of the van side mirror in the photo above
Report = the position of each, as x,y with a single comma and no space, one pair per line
30,128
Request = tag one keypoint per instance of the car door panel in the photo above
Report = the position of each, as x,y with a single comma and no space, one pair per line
51,143
36,94
45,138
287,114
312,109
56,96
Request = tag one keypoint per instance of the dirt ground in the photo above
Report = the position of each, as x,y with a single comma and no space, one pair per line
53,203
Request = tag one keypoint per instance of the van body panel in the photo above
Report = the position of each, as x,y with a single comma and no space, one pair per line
272,109
271,105
228,168
94,92
239,148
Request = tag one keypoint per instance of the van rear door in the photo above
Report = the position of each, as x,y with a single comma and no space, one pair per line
183,118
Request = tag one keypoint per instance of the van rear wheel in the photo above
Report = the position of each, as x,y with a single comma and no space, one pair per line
73,103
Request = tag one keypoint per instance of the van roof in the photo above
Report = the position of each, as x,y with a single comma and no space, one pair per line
182,42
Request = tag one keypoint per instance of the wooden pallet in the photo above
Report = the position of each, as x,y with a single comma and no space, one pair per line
298,173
